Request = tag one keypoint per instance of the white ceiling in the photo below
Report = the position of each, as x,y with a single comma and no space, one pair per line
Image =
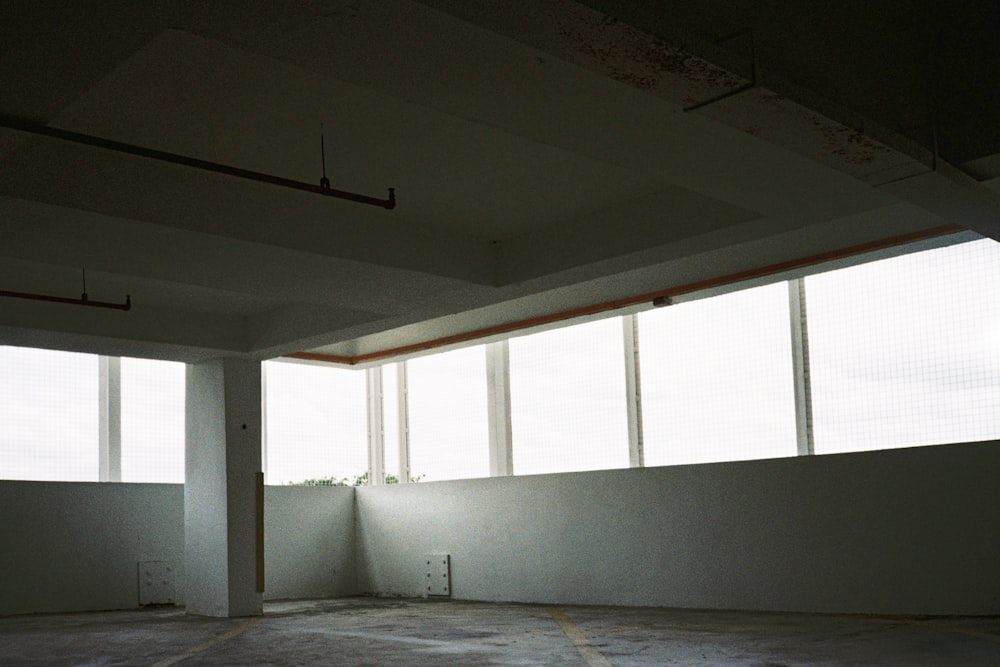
541,154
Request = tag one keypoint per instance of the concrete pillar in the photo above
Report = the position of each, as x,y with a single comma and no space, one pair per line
223,512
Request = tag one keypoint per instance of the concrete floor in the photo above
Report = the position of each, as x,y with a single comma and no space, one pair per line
366,631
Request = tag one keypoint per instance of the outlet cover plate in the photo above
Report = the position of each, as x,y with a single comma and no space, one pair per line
156,582
437,571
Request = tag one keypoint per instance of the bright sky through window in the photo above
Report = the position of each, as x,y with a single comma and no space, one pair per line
449,429
48,415
152,421
567,399
716,379
902,352
906,351
317,423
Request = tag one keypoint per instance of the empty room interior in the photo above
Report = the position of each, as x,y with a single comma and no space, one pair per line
432,332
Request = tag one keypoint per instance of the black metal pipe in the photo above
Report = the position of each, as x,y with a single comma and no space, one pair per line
22,125
82,301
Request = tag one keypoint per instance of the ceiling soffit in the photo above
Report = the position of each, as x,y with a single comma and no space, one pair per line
565,147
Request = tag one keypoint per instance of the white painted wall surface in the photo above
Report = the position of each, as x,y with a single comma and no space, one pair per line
206,519
76,546
903,531
912,531
309,546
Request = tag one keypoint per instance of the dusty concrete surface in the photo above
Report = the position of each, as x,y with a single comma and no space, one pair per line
366,631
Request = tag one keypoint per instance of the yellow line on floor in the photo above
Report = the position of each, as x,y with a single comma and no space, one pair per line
588,652
988,636
207,645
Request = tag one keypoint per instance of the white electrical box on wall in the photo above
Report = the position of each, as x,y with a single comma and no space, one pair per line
156,582
437,569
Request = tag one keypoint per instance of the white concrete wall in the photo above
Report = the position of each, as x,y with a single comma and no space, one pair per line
309,545
904,531
75,546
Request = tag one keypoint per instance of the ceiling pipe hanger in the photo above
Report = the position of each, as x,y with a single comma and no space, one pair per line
40,129
84,299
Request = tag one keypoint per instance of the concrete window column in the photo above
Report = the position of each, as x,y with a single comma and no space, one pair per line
498,396
800,366
376,430
633,391
223,489
110,419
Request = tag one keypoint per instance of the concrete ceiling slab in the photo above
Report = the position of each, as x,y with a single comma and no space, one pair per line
536,148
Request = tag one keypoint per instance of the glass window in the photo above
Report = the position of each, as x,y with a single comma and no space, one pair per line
716,379
906,351
48,415
317,424
449,429
152,414
567,395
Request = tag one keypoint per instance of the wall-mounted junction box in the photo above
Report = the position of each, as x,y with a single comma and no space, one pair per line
156,582
438,574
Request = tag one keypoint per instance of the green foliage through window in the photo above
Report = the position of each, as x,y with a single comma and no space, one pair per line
357,480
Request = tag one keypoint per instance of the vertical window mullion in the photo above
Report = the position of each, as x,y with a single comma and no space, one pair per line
633,391
404,423
376,448
498,400
800,366
110,418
